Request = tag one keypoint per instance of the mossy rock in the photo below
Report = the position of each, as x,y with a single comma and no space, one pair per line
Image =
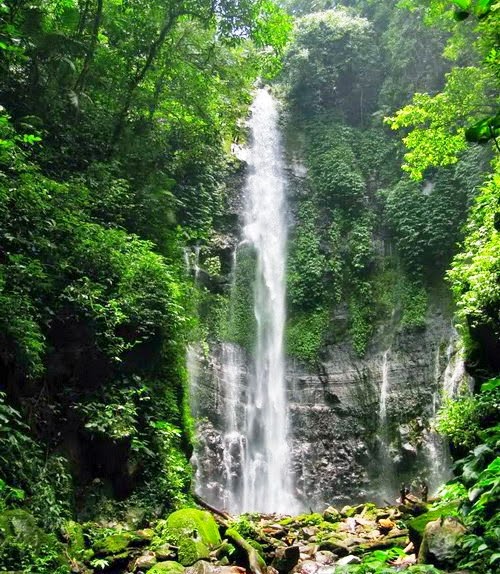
258,547
19,533
22,526
190,551
116,543
169,567
314,519
416,526
73,535
192,523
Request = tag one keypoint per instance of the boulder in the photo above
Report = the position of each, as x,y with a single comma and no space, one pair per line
190,523
168,567
72,534
286,559
21,526
331,514
386,524
349,560
115,544
416,526
144,562
440,542
203,567
334,545
191,550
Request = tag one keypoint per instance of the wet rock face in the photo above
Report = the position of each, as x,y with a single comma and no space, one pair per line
340,450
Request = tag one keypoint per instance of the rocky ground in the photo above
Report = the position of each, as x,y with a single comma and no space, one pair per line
361,539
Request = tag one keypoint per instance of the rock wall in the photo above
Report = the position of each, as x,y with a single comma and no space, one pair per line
340,452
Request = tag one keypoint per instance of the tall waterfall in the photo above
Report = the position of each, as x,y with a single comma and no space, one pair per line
266,482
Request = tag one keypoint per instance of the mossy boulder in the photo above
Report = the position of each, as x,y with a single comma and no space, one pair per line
416,526
115,544
192,523
191,550
440,543
73,536
169,567
22,542
22,526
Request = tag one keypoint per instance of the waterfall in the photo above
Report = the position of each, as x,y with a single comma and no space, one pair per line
386,474
266,481
384,390
436,447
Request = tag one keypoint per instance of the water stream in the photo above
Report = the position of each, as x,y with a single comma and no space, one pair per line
266,481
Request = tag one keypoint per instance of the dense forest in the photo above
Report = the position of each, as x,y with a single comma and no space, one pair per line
121,181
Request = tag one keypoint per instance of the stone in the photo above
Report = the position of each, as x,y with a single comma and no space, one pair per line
191,522
306,567
325,557
286,559
416,526
350,559
203,567
331,514
334,545
144,562
22,526
310,531
72,533
386,524
440,542
165,552
115,544
191,550
168,567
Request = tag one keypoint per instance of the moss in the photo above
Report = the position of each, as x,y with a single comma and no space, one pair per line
258,547
191,522
190,551
22,526
115,543
75,541
23,544
416,526
168,567
314,519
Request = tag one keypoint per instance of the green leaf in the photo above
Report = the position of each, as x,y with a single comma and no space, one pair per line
484,130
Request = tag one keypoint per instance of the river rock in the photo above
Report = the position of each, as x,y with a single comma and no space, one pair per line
385,524
191,522
169,567
286,559
144,562
325,558
331,514
349,560
440,542
416,526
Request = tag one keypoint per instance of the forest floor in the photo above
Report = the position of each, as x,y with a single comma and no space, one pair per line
363,539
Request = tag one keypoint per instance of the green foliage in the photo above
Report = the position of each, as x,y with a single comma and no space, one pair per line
239,324
439,124
426,220
28,475
331,63
305,335
477,486
475,272
307,263
467,420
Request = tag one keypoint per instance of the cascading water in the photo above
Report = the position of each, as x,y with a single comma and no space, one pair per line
386,471
266,481
252,449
